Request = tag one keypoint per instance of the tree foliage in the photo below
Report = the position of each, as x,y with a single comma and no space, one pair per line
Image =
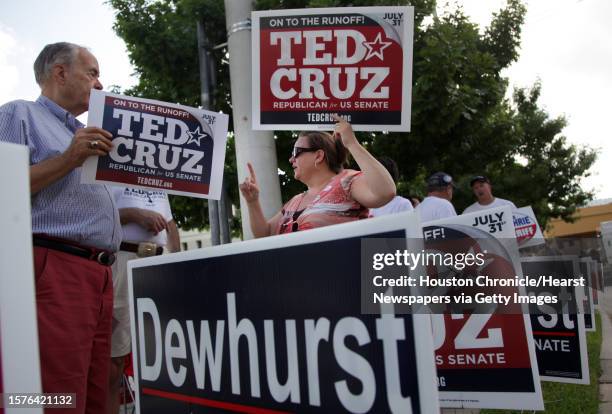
161,39
461,121
544,170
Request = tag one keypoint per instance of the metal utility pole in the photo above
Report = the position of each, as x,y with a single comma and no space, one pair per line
217,210
224,227
256,147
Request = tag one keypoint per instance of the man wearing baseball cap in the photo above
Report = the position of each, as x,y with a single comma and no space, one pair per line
437,204
481,186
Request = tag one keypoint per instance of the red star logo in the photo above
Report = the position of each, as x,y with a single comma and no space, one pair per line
376,47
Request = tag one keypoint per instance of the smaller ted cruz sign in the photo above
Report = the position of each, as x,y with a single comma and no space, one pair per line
528,232
311,63
158,145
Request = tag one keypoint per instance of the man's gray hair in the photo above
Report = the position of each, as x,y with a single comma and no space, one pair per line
62,53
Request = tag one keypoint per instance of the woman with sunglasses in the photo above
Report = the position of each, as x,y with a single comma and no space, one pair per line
334,195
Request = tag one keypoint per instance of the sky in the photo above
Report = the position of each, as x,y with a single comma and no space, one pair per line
565,44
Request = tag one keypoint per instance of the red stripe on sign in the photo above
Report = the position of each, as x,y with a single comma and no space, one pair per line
547,333
238,408
162,184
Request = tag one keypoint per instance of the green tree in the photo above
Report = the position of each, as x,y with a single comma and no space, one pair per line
162,44
461,122
543,170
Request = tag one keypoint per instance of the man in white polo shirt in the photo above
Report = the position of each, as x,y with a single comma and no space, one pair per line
481,186
148,228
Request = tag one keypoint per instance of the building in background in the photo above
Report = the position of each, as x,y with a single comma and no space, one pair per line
583,236
606,239
587,221
196,239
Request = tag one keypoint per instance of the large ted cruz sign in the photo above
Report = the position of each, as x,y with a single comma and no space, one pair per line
311,63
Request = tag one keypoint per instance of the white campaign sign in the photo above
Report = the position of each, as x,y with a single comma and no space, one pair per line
20,367
528,232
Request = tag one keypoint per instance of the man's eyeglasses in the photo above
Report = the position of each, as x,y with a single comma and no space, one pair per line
298,150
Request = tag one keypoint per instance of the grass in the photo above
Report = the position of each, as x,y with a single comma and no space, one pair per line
562,398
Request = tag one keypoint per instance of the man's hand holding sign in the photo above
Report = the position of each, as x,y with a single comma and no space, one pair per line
86,142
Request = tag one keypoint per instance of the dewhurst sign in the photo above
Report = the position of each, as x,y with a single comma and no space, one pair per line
158,145
274,325
558,330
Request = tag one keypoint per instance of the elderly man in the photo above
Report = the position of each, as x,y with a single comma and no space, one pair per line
481,186
76,226
437,204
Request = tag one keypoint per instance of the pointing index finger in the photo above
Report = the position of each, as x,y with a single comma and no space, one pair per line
252,171
337,118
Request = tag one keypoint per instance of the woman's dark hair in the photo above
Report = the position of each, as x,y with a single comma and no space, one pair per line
336,154
390,165
415,200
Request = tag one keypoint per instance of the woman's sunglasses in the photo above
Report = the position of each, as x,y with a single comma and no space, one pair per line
298,150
